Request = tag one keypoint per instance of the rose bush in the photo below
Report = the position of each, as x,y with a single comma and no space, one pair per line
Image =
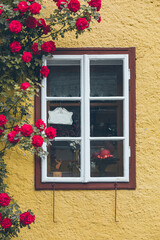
23,32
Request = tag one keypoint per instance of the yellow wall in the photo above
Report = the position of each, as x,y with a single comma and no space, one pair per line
89,215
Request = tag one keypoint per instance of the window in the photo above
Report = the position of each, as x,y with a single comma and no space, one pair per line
89,96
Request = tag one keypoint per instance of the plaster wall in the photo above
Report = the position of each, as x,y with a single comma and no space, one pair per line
89,215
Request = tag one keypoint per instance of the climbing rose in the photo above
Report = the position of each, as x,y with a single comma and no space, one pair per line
26,57
1,10
30,0
23,7
35,49
55,0
6,223
11,137
15,46
3,120
40,125
44,71
74,5
37,141
48,47
81,24
25,85
15,26
26,218
46,29
4,199
41,22
50,132
31,22
96,4
35,8
61,4
26,130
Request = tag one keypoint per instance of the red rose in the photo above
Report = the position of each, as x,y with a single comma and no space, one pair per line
23,7
4,199
81,24
26,57
44,71
62,4
11,137
16,129
35,8
26,130
40,125
30,0
35,49
6,223
1,10
3,120
1,131
26,218
31,22
96,4
15,26
25,85
15,46
74,5
48,47
37,141
51,132
55,0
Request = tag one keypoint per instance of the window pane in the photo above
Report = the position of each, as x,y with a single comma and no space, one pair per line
106,118
64,159
64,78
65,117
106,78
106,158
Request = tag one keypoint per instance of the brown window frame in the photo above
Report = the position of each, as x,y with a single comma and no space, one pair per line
132,132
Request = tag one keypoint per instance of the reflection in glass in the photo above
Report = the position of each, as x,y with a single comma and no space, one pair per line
64,159
106,118
106,78
106,158
66,130
64,80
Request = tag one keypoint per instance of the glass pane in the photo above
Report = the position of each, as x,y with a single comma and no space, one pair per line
64,78
106,78
65,117
64,159
106,158
106,118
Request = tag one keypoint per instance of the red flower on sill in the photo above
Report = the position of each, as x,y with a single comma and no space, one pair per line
49,47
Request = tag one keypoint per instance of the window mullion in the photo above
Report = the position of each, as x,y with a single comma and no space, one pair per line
86,103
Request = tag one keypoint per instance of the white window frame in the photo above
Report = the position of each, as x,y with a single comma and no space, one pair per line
85,118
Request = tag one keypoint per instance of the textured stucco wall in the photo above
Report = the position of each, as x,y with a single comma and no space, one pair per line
89,215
